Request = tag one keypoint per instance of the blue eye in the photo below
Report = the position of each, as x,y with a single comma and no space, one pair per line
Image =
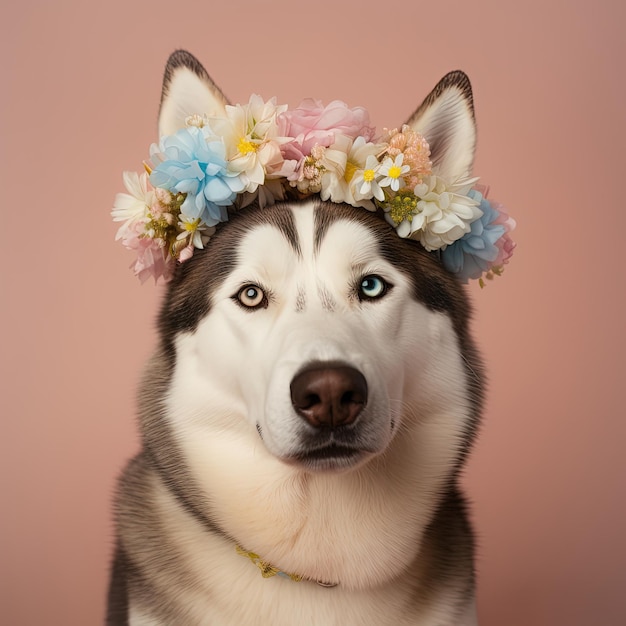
372,287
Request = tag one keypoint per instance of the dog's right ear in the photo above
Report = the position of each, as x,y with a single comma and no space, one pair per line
187,89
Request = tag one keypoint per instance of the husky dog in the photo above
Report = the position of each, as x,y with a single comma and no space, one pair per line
312,399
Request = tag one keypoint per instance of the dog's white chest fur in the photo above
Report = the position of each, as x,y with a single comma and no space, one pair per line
233,592
287,606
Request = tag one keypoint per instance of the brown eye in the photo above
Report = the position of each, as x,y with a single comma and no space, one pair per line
252,297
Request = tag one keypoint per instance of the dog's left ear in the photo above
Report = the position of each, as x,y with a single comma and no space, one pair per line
187,89
446,120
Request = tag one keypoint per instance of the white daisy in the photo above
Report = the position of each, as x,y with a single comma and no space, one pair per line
366,181
393,172
195,232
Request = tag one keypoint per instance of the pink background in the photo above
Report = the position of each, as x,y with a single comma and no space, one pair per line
81,83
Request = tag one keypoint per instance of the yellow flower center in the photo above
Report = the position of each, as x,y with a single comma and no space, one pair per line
245,146
351,168
369,175
191,226
403,207
394,171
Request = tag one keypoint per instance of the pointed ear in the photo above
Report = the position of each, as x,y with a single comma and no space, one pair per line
446,120
187,89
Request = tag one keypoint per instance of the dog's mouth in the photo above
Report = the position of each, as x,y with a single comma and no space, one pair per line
329,457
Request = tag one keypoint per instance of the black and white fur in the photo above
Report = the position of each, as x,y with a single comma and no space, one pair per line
369,504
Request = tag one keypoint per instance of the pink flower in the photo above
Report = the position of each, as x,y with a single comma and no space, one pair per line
186,253
505,244
416,152
153,259
313,124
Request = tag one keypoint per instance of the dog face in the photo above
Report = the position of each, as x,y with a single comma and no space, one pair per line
311,330
313,325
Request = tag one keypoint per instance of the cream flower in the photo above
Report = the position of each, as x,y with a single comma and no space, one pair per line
197,120
133,207
333,163
440,214
344,185
250,134
335,167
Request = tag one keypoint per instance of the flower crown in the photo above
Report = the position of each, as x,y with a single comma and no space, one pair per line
262,152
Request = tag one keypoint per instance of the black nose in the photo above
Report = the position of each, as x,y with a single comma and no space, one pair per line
328,395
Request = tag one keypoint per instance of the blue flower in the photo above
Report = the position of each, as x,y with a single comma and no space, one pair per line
192,163
474,254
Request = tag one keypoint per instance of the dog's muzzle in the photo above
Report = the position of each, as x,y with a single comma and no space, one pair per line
329,396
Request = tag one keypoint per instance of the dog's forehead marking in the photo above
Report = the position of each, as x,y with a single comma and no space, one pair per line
303,216
315,221
277,217
336,246
265,255
314,250
266,242
284,221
